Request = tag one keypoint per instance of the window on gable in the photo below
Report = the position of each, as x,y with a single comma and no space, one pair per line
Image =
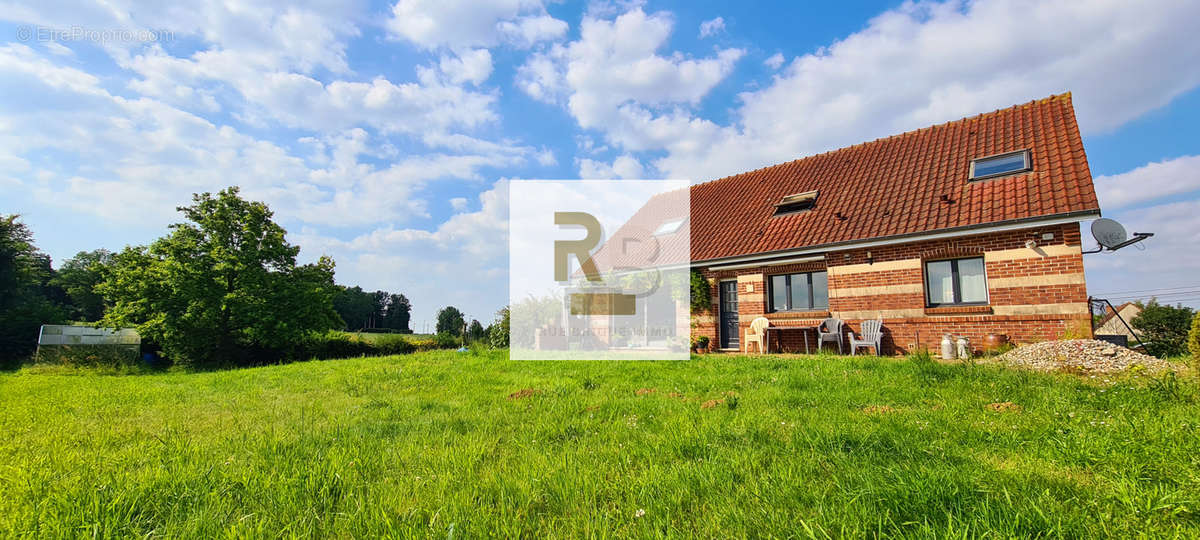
799,292
999,165
796,203
955,282
668,227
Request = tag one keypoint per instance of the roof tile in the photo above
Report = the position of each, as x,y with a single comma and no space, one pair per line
894,186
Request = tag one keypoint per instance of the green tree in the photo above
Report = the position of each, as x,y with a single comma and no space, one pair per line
27,297
475,331
78,278
450,321
396,313
1164,328
356,307
221,289
498,332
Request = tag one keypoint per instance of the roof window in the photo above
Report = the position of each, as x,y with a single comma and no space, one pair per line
668,227
1000,165
796,203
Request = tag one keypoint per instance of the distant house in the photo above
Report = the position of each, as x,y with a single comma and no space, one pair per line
969,227
1113,330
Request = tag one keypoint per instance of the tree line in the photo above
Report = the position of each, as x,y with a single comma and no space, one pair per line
221,288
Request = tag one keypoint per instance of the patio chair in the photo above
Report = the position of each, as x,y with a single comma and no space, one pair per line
754,334
872,336
830,330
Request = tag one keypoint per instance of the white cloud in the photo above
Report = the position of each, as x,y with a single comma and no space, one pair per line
582,73
625,166
115,152
775,61
546,158
458,203
527,31
473,66
1168,259
458,24
712,27
1149,182
472,247
301,101
919,64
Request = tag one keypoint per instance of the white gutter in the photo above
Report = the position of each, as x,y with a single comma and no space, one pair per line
973,231
769,263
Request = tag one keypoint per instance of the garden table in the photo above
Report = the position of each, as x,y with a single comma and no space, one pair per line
803,328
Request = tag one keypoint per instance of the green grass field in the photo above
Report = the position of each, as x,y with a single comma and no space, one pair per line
464,445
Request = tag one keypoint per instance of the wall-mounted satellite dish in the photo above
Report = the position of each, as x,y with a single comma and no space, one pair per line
1111,235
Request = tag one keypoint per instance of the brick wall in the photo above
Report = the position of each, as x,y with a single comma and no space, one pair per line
1034,294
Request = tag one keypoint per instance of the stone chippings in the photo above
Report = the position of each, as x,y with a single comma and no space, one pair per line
1084,355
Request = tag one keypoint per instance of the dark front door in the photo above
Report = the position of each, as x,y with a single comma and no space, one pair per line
729,315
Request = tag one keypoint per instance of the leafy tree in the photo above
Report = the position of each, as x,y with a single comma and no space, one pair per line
450,321
498,331
356,307
397,313
223,288
1164,328
27,298
475,331
78,277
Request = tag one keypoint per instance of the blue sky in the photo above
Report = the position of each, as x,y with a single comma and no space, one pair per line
381,133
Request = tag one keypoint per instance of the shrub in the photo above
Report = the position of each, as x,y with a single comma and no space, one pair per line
1194,339
88,356
446,340
701,293
331,344
498,334
393,344
1164,328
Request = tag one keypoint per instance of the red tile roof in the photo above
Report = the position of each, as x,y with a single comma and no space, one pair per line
895,185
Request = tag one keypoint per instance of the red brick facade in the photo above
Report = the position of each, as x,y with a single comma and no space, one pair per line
1034,293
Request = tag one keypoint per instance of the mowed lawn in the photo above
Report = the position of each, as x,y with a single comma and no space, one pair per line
452,445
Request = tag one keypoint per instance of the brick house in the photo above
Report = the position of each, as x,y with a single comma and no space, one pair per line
969,227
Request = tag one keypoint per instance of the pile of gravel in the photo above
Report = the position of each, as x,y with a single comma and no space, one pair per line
1080,355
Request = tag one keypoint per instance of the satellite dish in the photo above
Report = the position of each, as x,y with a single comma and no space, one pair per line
1111,235
1108,233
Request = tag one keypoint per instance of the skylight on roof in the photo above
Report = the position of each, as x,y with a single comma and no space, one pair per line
668,227
798,202
999,165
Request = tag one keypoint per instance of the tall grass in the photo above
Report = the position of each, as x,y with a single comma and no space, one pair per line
471,444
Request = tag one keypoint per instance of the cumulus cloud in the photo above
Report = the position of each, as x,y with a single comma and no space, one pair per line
712,27
775,61
1149,182
473,66
581,74
916,65
625,167
1169,259
458,24
418,261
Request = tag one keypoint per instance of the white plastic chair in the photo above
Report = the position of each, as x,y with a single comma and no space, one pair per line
872,336
830,330
754,334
